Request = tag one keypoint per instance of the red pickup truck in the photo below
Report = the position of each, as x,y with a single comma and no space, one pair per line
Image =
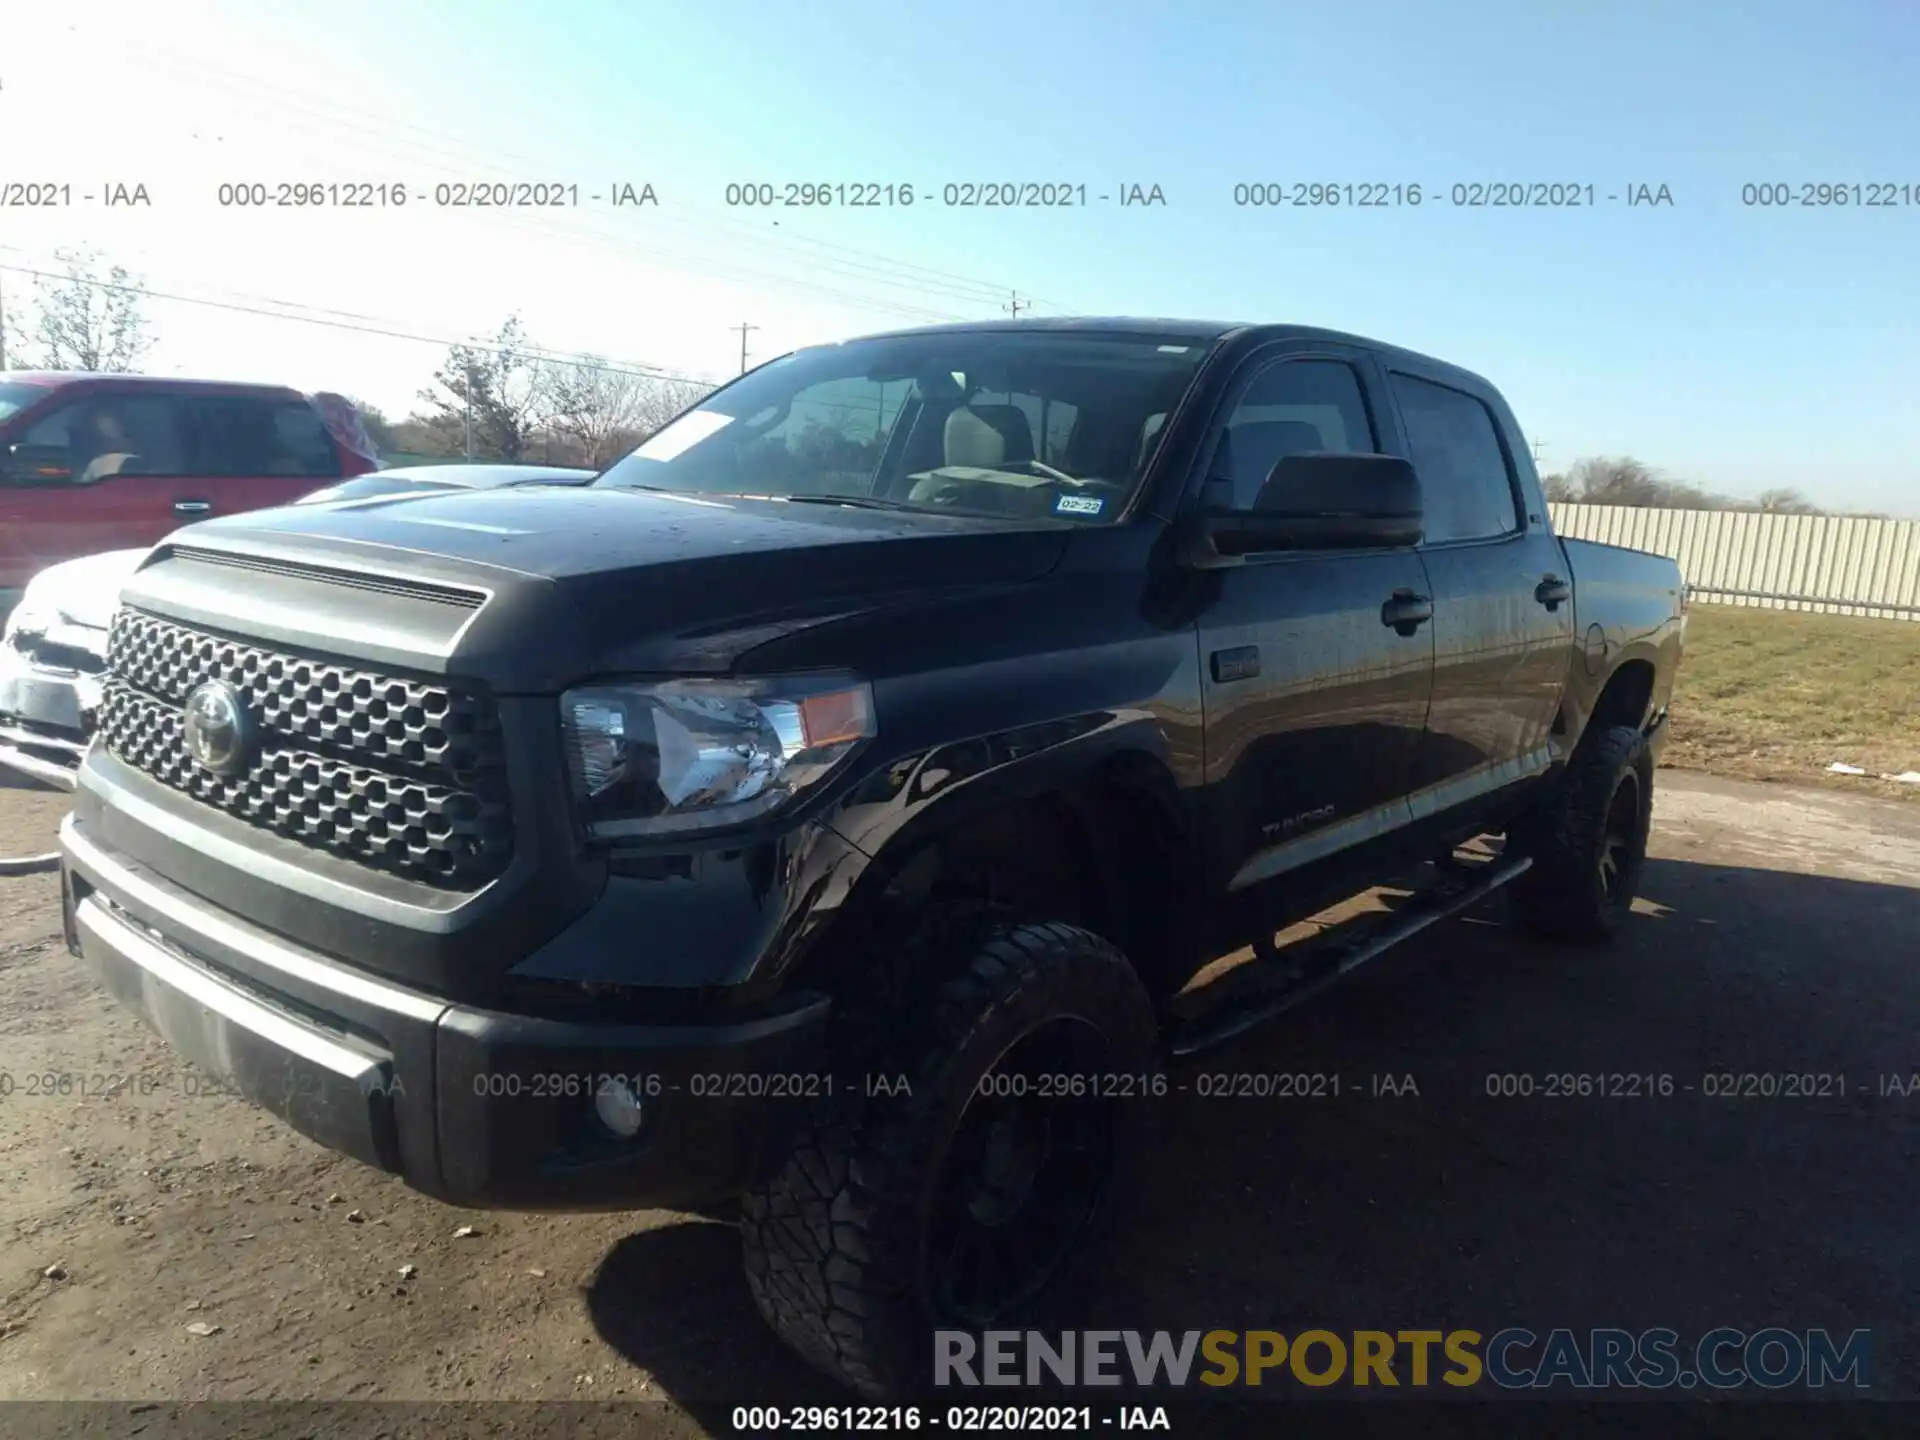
104,462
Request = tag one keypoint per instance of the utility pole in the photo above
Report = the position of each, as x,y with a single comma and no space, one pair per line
469,407
1536,452
3,331
1014,306
743,328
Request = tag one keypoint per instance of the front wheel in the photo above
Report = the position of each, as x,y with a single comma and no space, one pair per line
1588,842
974,1195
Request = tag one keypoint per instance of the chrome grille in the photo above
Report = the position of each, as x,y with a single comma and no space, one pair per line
405,775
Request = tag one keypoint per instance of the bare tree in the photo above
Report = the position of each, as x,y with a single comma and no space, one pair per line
1559,488
420,435
379,427
600,413
1785,500
12,327
1622,480
492,400
1615,480
597,409
664,399
87,319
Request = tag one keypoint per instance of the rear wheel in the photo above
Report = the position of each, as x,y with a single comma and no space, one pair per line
976,1195
1588,842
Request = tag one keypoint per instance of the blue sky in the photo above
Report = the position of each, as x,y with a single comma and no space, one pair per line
1733,346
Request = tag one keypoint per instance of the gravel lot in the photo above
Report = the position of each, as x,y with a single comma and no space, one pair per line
1777,935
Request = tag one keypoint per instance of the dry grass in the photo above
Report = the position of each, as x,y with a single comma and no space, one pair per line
1782,694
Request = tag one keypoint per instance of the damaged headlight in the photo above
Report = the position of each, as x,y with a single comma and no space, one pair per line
685,755
27,619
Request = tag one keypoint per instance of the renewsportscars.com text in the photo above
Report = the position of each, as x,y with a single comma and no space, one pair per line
1512,1359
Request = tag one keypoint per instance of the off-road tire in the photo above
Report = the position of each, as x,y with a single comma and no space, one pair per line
832,1243
1566,895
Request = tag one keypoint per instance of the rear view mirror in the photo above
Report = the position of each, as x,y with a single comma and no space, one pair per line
1320,501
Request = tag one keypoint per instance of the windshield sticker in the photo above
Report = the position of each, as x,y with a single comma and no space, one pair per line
684,434
1078,505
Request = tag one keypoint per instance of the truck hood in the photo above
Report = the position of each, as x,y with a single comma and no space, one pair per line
83,591
570,582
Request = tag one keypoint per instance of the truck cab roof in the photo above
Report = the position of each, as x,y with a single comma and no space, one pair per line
1243,334
61,379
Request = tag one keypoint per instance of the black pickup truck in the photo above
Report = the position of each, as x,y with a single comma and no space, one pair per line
824,812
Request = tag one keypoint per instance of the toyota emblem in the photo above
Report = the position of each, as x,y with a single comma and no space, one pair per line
219,731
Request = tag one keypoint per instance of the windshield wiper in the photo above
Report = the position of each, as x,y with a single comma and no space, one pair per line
859,502
863,502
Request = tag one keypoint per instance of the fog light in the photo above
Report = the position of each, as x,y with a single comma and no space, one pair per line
619,1108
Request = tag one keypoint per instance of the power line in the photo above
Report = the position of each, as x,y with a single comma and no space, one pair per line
705,264
536,352
863,265
231,295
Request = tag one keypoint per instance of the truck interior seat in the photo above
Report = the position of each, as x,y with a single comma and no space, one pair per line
983,438
987,437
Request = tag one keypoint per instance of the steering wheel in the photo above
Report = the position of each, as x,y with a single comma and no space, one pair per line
1043,468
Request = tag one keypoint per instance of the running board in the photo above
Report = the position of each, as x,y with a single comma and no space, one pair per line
1290,988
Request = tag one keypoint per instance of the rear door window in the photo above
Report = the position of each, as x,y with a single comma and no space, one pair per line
234,435
1466,483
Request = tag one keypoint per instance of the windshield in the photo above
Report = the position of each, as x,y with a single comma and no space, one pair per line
15,396
1018,423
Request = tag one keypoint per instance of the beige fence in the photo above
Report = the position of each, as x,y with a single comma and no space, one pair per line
1785,562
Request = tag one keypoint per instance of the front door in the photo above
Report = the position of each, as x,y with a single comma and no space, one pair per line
1315,700
97,474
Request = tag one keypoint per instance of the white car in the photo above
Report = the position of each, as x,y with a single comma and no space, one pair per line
53,657
53,661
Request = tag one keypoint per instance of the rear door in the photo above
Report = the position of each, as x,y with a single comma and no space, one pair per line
96,473
1315,705
250,452
1503,608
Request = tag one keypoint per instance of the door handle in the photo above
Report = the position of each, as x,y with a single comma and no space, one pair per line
191,507
1406,612
1552,592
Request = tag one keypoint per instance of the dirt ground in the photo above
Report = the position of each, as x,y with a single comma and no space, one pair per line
1776,935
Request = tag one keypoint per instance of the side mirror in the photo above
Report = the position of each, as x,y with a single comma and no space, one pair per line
1317,501
24,464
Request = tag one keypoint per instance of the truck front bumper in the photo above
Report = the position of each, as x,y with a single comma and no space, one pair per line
475,1107
46,718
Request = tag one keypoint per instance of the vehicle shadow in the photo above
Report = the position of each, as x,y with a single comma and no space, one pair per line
674,1302
1485,1131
